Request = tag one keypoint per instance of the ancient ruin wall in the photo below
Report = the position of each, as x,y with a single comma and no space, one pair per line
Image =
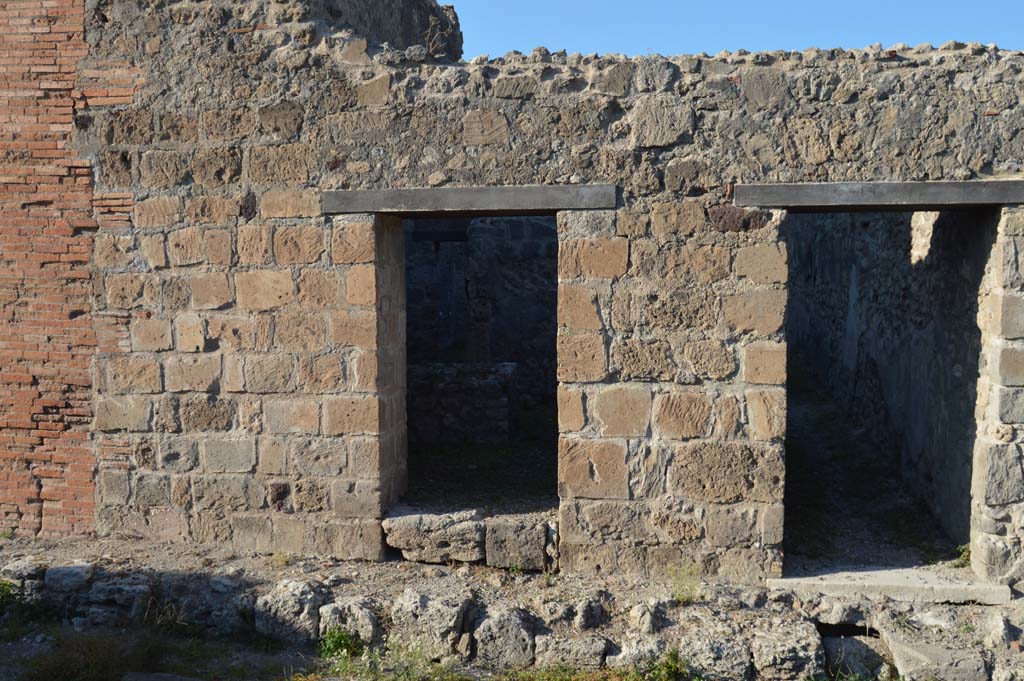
884,309
227,120
670,352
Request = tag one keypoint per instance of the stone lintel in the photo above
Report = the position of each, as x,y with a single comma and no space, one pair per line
870,196
469,201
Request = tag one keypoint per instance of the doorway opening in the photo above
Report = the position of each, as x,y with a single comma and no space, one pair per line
481,301
885,355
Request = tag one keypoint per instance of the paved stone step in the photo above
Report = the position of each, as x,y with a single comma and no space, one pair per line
915,585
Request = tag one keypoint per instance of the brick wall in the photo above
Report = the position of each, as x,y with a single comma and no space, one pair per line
46,336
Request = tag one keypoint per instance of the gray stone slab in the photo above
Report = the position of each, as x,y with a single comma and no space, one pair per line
449,201
920,661
905,584
848,196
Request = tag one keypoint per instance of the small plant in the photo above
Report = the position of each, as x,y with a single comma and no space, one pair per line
8,595
280,560
395,664
963,560
672,667
7,534
436,36
516,570
338,643
685,582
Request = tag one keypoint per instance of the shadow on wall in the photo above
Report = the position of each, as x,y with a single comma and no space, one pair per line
883,319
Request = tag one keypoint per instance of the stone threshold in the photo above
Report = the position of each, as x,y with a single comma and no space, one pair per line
519,541
912,585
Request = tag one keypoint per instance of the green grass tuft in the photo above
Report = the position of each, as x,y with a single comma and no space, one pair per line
338,643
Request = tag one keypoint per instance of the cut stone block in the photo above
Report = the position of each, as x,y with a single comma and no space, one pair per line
436,537
516,543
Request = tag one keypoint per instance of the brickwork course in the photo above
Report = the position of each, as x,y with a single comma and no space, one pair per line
193,351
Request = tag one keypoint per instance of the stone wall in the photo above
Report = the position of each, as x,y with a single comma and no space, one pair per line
247,390
884,312
997,521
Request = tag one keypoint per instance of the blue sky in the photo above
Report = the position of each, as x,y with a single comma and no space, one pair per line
671,27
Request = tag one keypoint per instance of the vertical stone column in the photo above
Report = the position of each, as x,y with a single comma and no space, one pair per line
997,517
391,356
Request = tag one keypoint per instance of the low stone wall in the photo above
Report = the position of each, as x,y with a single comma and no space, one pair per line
461,402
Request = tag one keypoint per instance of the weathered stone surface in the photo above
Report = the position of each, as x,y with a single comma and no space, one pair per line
290,203
763,264
290,612
581,358
352,243
505,640
766,410
217,167
351,415
484,128
282,120
726,472
435,622
355,616
677,219
69,577
577,308
998,473
264,289
622,410
436,538
644,360
765,363
757,311
794,651
660,120
682,416
570,410
284,163
1008,366
592,469
163,169
193,373
574,651
600,258
361,285
916,661
710,359
516,543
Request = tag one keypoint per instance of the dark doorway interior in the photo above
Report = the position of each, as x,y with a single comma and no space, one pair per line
481,327
884,350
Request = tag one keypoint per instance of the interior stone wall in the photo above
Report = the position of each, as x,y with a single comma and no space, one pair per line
482,299
884,313
209,130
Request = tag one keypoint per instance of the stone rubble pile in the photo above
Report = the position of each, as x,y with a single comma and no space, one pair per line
730,634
